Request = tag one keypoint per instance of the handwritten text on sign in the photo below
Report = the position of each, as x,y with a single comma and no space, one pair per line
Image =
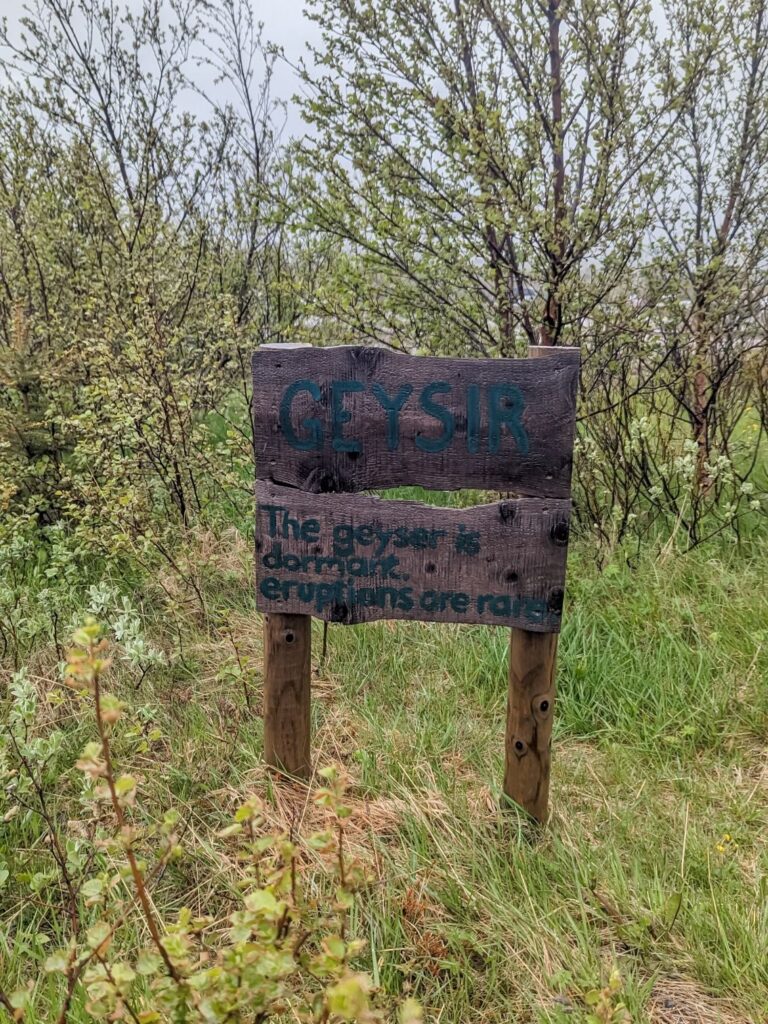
348,558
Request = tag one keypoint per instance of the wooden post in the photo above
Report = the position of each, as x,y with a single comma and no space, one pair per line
530,710
287,692
530,706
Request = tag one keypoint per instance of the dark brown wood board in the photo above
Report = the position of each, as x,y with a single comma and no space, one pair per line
351,419
352,558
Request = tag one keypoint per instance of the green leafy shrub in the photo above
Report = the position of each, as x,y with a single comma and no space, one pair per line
278,950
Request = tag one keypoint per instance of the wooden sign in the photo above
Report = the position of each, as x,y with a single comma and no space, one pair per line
349,558
329,423
352,419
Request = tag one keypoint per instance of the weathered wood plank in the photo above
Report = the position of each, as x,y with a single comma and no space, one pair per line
350,419
351,558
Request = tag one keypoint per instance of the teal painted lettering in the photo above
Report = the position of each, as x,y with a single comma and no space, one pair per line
392,407
438,412
310,530
313,439
274,558
273,510
291,525
500,605
473,419
325,593
343,539
270,588
505,408
467,542
535,609
364,535
340,415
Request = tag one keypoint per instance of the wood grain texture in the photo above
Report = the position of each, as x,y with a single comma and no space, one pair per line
530,711
352,558
350,418
530,707
287,696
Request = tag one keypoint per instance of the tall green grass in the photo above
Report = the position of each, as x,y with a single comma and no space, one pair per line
659,754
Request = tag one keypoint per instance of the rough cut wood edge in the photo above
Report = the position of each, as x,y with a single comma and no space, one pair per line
530,707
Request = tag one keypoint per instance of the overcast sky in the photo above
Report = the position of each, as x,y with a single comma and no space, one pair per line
284,24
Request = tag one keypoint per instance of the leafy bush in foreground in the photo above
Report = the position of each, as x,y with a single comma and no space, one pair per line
278,952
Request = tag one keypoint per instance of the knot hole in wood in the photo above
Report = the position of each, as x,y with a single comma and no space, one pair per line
542,705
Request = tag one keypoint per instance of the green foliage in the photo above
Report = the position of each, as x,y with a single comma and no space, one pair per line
279,951
482,174
508,173
144,257
439,143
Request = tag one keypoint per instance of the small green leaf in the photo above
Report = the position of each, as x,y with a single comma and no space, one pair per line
148,962
19,999
263,902
92,890
411,1012
672,908
336,946
171,819
98,934
349,997
125,784
57,962
123,975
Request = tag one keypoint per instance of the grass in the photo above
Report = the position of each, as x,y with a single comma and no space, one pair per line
659,754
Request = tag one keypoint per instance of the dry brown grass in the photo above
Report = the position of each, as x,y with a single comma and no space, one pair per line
680,1001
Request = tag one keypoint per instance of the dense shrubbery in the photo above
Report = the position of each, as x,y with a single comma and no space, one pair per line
514,173
146,251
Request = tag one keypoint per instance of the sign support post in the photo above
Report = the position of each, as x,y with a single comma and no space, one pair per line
530,710
288,682
287,692
530,707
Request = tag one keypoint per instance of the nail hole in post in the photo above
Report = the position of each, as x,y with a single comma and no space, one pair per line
289,637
